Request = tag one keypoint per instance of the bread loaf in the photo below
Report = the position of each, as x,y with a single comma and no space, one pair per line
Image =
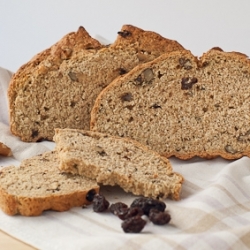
37,185
58,87
182,106
117,161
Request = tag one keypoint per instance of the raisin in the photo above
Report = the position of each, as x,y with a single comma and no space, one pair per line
146,204
124,33
126,213
187,82
122,71
90,195
116,207
34,133
159,218
100,204
133,225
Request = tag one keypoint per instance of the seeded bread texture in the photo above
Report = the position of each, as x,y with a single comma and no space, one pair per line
37,185
57,88
117,161
5,150
182,106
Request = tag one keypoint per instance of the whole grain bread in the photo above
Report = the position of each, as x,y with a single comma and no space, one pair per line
37,185
58,87
180,105
117,161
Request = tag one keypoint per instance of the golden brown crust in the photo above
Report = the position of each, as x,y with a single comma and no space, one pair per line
200,108
5,150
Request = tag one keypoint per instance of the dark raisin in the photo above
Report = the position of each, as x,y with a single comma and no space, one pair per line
133,225
115,208
146,204
127,213
72,104
187,82
159,218
217,48
34,133
124,33
100,204
122,71
90,195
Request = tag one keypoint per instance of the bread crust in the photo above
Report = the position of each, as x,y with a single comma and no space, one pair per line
5,150
191,111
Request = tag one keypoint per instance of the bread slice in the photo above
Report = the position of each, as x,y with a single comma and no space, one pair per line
57,88
182,106
117,161
37,185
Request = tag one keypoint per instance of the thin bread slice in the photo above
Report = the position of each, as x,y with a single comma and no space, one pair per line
38,185
182,106
57,88
117,161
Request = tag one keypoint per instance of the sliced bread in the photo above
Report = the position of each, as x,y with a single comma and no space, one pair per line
37,185
117,161
58,87
182,106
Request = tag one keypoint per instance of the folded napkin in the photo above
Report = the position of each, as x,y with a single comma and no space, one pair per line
213,213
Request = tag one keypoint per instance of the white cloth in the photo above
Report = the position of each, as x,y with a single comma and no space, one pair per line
213,213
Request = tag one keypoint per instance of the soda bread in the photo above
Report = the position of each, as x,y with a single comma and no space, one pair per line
117,161
182,106
58,87
38,185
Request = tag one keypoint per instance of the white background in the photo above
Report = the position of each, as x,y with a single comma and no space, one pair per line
28,26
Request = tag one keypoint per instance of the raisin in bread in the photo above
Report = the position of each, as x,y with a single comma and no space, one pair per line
182,106
37,185
117,161
57,88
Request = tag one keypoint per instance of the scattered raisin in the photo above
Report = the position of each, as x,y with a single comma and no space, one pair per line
146,204
90,195
100,204
115,208
124,33
158,217
133,225
127,213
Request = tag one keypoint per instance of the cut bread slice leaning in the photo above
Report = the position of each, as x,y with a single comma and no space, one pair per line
118,161
182,106
58,87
